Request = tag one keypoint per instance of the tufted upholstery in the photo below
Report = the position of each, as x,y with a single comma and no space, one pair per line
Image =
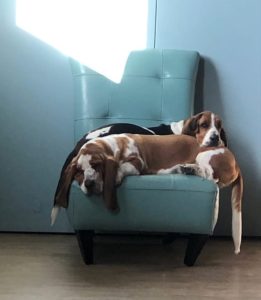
157,87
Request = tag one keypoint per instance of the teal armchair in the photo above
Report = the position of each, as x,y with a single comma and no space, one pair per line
157,87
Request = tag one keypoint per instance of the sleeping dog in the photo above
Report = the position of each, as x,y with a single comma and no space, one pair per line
204,126
102,163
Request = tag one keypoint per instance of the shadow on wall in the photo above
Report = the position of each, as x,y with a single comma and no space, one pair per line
210,85
199,89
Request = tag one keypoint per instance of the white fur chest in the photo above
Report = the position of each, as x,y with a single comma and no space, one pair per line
203,161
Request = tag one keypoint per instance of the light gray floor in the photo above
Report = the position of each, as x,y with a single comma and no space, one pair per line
50,267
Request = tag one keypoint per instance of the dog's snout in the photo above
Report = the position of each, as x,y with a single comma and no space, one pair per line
214,139
89,183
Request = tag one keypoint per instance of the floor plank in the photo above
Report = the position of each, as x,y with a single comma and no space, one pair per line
50,267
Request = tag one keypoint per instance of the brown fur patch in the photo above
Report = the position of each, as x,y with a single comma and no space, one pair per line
136,161
227,171
224,166
122,143
163,152
96,147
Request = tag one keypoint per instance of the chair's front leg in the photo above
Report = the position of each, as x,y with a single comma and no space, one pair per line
196,243
85,241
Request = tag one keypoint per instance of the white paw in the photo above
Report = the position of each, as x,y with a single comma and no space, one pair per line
119,178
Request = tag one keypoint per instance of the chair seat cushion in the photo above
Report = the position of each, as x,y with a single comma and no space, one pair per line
157,203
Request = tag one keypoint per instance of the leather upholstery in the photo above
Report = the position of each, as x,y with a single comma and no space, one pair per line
157,87
163,203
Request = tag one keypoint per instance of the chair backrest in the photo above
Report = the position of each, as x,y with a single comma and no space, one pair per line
157,87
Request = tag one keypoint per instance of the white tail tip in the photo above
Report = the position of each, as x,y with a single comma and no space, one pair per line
237,229
54,214
237,251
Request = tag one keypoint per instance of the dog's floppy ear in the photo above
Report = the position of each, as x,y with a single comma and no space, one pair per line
191,125
61,198
68,160
223,136
109,187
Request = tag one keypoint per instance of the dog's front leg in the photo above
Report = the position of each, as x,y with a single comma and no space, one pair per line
191,169
186,169
130,166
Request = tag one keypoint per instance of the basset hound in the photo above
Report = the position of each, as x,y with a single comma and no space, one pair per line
103,162
219,165
205,125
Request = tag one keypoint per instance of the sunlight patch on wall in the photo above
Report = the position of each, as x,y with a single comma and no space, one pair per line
98,33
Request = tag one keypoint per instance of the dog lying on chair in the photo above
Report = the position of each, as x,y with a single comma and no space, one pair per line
205,126
102,163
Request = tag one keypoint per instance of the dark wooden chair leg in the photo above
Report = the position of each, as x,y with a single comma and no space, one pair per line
196,243
85,241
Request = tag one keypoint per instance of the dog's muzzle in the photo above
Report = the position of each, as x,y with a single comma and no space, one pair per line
89,184
214,140
93,187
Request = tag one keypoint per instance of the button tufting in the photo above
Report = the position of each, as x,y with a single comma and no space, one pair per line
158,76
166,74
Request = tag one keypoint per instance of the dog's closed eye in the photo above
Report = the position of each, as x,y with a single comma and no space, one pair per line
218,124
204,125
79,176
97,166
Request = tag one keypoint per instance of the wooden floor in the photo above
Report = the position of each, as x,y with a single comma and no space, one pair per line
50,267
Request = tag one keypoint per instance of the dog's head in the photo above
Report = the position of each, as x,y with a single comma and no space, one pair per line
90,172
207,128
95,171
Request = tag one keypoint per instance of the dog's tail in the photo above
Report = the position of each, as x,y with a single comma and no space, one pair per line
54,213
236,203
62,196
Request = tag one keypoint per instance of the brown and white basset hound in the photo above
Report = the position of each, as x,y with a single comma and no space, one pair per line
103,162
219,165
206,126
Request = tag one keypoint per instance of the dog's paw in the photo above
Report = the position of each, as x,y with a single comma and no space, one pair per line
187,170
119,178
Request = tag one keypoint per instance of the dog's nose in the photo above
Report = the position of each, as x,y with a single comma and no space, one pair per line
214,139
89,183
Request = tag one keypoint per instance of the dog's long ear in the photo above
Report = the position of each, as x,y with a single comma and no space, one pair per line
223,136
109,187
62,195
191,125
67,162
